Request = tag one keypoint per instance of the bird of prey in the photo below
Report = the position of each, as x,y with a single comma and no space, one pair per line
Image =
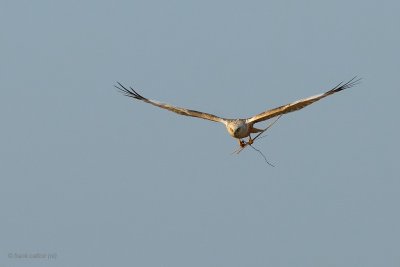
241,128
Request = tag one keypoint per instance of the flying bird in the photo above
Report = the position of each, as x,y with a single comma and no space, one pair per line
241,128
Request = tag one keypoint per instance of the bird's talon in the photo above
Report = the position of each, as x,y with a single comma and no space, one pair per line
242,143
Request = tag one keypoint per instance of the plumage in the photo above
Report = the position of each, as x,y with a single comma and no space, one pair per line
299,104
240,128
181,111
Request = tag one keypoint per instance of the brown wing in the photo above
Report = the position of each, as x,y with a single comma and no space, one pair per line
300,103
181,111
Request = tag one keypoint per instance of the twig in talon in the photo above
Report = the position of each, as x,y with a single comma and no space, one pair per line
259,151
237,151
269,126
261,137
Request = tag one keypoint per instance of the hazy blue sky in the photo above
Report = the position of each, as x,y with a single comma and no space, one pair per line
92,178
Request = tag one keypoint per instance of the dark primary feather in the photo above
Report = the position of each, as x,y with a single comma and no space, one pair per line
129,92
347,85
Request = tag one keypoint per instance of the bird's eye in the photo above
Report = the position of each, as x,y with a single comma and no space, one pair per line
231,129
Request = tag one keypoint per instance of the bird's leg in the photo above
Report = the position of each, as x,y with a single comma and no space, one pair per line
242,143
250,142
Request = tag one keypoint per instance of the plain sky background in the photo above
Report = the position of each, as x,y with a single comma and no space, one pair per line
98,179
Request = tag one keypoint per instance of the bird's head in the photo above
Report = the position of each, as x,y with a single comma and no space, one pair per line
236,128
233,130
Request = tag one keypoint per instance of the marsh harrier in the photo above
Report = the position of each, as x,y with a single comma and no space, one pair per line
241,128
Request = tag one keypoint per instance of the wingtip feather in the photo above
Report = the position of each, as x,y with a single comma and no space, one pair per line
342,86
129,92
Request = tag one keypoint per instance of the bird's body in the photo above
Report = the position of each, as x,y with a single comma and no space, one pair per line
237,128
241,128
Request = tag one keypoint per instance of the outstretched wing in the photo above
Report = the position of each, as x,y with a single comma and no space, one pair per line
181,111
300,103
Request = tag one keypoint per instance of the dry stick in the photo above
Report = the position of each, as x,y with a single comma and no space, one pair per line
260,133
259,151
